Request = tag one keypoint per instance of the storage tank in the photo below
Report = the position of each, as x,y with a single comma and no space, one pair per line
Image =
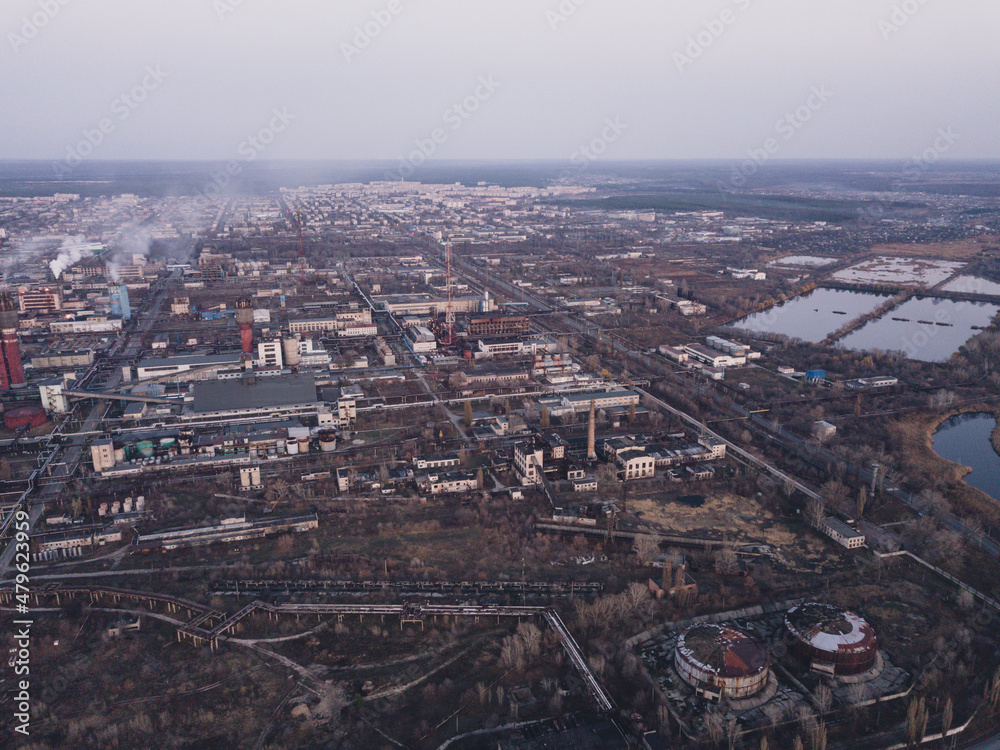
25,416
303,445
327,441
145,448
290,351
292,446
721,661
831,640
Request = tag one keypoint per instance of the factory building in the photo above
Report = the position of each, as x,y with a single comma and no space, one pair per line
51,359
90,324
528,458
498,326
230,530
721,661
237,397
205,366
831,640
102,453
39,299
270,354
53,399
421,339
580,402
425,305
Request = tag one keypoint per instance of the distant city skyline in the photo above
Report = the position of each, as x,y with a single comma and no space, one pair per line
575,80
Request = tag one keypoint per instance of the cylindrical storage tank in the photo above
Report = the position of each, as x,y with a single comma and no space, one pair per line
831,640
119,455
292,446
290,350
25,416
145,448
721,661
303,445
328,441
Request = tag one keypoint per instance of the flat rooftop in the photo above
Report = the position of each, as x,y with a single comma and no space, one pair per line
191,360
262,393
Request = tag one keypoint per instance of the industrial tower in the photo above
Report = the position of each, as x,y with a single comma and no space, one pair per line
449,311
11,369
244,319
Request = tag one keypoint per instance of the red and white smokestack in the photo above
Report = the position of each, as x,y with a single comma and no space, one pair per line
244,319
9,320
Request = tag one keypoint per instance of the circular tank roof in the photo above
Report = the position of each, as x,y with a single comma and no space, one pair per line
825,627
722,650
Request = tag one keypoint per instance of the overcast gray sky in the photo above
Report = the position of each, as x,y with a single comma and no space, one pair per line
891,80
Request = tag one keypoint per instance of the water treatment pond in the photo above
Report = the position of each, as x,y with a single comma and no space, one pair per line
927,329
813,316
965,440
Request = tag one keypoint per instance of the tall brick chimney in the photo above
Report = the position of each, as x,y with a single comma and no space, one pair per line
13,376
244,319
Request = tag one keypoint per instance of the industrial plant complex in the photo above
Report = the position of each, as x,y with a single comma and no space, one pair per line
404,464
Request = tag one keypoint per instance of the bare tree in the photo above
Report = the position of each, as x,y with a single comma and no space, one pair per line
646,548
815,511
947,717
824,699
916,721
715,728
726,561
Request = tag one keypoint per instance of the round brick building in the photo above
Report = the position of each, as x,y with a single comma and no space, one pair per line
721,661
831,640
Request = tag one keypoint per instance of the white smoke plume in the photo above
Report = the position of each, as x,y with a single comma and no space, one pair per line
71,253
132,241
